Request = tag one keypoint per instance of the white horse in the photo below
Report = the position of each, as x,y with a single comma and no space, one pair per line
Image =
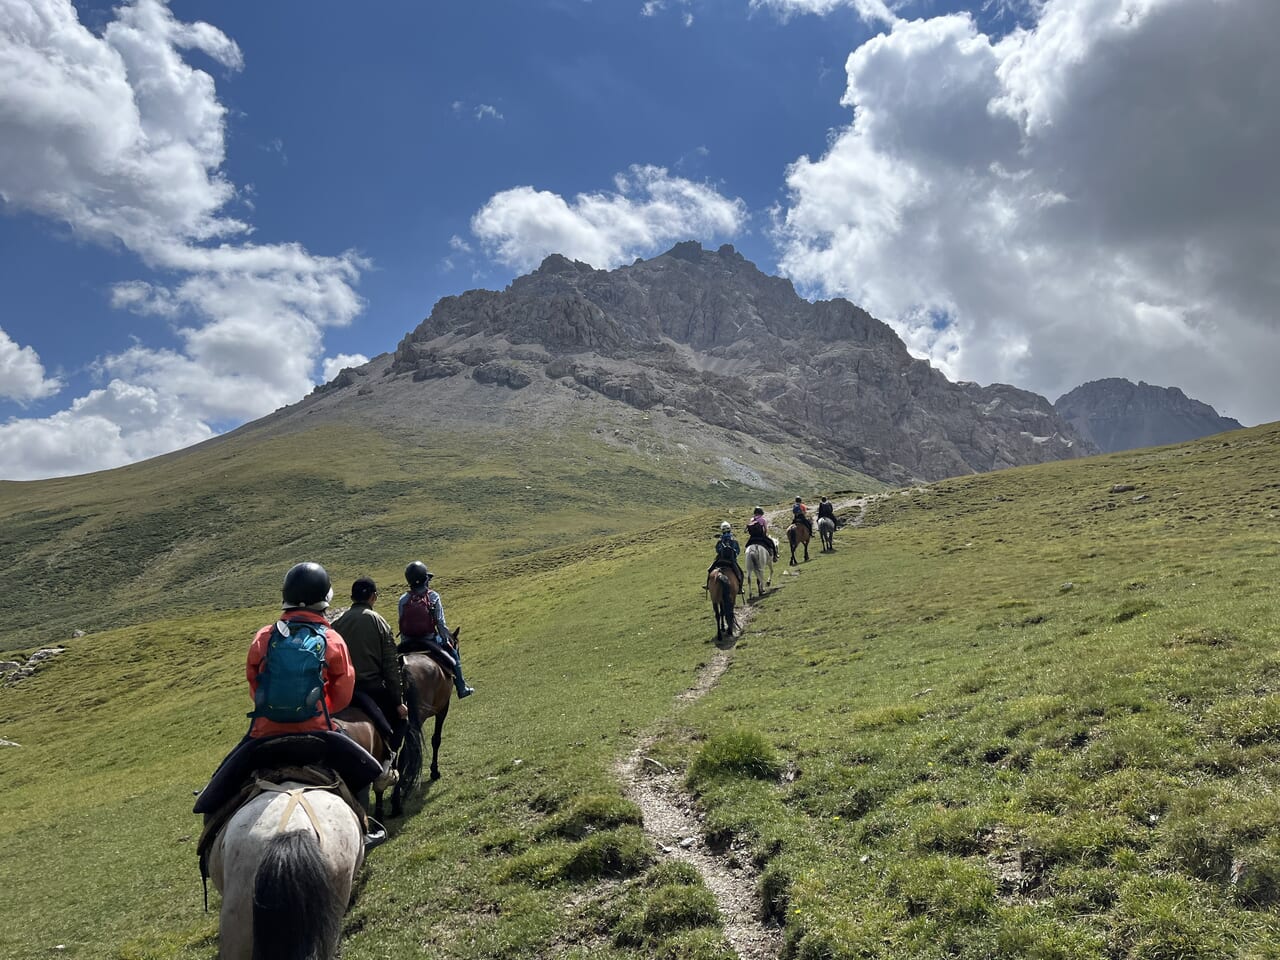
759,559
827,533
285,864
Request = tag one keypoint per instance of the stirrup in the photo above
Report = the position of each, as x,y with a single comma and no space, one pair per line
375,836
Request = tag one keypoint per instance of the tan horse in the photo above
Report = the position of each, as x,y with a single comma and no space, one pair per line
798,534
431,687
723,587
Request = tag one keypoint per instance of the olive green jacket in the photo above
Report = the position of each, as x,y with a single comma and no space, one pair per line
373,649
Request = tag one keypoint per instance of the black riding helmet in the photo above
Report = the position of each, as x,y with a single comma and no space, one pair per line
305,584
416,574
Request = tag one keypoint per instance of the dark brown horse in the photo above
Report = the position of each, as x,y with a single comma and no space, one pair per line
408,766
432,689
798,534
723,587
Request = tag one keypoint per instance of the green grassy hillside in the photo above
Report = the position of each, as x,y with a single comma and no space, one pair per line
931,744
215,526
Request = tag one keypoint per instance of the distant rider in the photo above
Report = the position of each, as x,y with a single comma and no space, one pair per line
800,514
727,550
827,509
372,647
758,532
424,622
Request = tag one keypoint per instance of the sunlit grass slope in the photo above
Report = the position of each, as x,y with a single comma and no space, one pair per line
930,743
1020,715
520,850
215,526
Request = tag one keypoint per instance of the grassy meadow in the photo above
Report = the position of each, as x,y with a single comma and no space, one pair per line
1013,715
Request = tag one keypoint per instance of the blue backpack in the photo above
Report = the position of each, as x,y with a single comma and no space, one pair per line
724,551
291,682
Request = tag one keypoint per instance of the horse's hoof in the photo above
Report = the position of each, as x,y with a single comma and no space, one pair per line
435,774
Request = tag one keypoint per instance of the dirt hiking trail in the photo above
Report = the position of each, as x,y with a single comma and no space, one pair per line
671,817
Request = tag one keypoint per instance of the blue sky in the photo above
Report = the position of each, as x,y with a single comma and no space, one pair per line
206,206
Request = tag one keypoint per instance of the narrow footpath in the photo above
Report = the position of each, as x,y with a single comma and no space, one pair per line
673,822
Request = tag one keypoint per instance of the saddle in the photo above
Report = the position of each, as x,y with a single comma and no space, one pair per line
327,749
362,701
432,649
728,568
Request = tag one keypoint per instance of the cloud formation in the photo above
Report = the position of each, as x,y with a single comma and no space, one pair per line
648,208
22,374
119,138
1090,196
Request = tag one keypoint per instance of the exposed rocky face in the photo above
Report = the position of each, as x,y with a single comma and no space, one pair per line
710,335
1117,414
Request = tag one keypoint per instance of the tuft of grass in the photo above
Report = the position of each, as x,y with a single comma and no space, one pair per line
736,753
590,814
624,852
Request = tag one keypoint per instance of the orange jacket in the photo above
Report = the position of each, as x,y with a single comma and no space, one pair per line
339,677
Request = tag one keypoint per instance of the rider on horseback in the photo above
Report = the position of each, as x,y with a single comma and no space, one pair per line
758,532
300,675
373,654
827,509
727,550
422,604
800,513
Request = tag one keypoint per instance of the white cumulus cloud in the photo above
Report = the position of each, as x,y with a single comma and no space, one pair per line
1092,195
647,209
122,140
22,375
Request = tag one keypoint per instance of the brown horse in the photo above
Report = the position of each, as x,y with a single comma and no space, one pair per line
356,724
432,689
723,587
797,534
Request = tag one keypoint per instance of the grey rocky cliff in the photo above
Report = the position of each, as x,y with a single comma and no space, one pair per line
1118,414
710,335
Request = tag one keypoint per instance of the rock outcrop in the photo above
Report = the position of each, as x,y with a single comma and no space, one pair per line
1117,414
710,336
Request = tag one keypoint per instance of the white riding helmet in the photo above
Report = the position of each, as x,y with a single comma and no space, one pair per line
725,526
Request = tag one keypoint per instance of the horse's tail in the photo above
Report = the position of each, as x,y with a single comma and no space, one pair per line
295,916
792,534
410,760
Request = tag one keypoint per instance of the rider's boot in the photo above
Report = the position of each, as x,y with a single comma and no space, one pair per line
374,835
461,685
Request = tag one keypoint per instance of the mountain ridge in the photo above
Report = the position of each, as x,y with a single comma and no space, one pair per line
707,337
1117,414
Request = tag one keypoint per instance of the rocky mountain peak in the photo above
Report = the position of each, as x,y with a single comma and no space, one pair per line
706,334
1118,414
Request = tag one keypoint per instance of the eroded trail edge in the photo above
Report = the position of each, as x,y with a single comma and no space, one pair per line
672,821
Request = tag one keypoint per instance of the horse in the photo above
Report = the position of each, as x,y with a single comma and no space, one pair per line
827,533
285,864
432,689
798,533
759,559
408,766
723,587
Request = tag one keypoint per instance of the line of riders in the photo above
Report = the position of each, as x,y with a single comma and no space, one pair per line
303,671
728,549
